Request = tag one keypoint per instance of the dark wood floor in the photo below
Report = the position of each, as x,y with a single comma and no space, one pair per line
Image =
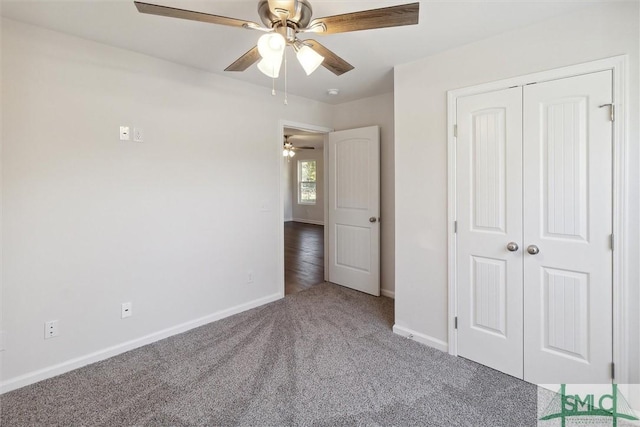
303,256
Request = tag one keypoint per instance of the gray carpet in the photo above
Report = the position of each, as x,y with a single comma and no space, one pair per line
325,356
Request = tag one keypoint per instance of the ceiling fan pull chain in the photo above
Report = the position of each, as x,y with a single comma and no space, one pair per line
273,86
285,78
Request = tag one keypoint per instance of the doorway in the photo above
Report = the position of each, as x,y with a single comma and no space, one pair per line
351,208
303,208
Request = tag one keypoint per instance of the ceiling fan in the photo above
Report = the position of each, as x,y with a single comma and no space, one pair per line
283,20
289,150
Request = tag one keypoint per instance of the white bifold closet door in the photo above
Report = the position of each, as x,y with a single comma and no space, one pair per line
534,212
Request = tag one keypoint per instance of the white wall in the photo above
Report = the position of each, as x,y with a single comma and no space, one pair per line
378,110
596,32
173,224
312,214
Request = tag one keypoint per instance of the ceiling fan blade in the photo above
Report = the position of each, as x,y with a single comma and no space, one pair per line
245,61
394,16
332,62
304,148
172,12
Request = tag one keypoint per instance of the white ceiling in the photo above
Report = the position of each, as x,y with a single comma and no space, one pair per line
443,25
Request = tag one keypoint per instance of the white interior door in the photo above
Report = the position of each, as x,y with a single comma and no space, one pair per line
354,209
568,217
489,216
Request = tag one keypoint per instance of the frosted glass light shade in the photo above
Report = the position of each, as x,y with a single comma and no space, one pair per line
309,59
270,67
271,46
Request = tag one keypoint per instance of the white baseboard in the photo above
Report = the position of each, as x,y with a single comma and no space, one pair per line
308,221
288,219
421,338
78,362
388,293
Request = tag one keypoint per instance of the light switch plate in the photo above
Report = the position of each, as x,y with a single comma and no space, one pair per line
138,135
127,310
124,133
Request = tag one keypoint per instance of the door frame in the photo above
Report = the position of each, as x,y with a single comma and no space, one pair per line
282,124
619,67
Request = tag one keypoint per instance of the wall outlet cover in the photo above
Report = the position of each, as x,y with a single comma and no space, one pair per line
51,329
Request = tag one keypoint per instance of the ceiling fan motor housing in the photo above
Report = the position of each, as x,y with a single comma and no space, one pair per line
300,19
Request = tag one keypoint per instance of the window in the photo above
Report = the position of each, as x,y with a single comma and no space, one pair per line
307,182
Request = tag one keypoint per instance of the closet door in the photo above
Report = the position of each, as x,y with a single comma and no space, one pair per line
489,237
567,230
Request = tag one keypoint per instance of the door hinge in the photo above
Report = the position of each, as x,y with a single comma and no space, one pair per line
455,131
455,322
612,111
455,227
613,370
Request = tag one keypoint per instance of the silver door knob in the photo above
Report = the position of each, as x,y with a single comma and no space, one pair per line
372,219
512,246
533,249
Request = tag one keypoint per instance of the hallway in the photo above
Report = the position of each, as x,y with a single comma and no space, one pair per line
303,256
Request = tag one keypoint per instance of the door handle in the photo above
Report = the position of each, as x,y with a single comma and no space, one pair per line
533,249
512,246
372,219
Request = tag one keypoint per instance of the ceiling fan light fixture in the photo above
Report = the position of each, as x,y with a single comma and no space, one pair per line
269,67
309,59
283,20
271,46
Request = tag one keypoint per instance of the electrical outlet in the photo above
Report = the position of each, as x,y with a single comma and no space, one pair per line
127,309
51,329
250,276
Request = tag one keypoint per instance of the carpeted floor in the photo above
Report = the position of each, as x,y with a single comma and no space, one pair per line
325,356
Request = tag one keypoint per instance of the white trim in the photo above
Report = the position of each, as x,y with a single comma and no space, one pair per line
619,66
387,293
280,226
78,362
421,338
308,221
451,217
325,197
621,309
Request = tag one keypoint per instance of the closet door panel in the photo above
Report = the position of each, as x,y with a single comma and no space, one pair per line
568,218
489,215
